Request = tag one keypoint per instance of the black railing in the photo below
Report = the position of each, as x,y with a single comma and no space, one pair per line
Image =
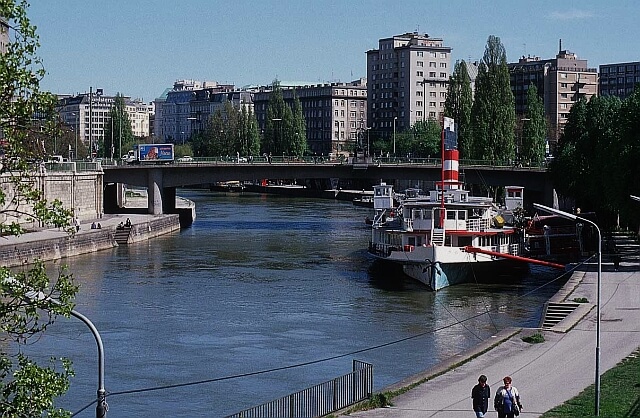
319,400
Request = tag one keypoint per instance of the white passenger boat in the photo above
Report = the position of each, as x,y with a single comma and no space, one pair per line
446,237
445,245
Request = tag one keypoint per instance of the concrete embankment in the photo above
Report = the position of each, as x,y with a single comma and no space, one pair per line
53,244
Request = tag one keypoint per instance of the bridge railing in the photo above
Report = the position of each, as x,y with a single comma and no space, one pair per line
342,160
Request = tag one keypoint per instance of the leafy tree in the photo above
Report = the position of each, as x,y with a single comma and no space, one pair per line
285,131
458,106
421,141
118,135
534,129
252,133
493,111
299,139
229,132
27,389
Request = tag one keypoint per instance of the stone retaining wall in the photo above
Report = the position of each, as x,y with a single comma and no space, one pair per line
62,246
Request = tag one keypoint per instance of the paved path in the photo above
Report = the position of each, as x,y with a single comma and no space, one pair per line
107,221
546,374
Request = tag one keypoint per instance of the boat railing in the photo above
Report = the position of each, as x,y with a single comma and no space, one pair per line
408,224
478,224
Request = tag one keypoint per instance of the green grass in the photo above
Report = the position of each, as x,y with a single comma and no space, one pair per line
536,338
619,394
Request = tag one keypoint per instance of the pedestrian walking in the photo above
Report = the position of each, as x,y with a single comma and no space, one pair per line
481,393
507,400
76,221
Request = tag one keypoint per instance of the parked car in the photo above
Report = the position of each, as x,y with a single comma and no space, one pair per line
185,159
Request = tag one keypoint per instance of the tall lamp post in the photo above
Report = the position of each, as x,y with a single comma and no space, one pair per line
33,296
395,118
573,217
75,151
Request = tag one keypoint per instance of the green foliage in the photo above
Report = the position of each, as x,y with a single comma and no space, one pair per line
182,150
421,141
30,130
230,131
458,106
597,156
619,394
493,111
285,131
580,300
536,338
534,130
118,135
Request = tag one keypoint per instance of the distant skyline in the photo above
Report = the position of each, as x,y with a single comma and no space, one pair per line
141,47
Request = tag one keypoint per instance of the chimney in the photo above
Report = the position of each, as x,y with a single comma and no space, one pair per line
560,45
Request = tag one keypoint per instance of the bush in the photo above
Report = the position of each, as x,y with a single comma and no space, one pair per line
534,338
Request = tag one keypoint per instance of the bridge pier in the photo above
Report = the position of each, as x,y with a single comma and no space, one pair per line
154,192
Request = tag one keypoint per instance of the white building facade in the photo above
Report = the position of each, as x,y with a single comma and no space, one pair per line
408,77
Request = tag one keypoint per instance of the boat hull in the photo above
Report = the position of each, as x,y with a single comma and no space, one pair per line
439,267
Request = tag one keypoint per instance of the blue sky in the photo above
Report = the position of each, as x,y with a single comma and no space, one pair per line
140,47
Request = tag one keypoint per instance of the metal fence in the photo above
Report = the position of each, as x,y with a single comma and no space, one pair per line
319,400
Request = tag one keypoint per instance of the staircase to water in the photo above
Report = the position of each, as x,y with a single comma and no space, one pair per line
122,235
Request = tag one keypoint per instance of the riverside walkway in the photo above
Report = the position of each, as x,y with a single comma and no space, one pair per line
546,374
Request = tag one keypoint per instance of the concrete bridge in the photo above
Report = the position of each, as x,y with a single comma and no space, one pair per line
162,180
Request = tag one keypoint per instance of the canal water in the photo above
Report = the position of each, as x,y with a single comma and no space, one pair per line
263,296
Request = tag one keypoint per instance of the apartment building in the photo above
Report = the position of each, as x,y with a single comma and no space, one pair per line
185,109
619,79
408,77
560,81
335,114
88,113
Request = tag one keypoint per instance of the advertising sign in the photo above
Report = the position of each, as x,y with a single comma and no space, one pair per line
156,152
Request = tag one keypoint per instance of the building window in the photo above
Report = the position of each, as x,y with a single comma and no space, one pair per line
563,85
443,65
420,64
419,74
419,53
419,103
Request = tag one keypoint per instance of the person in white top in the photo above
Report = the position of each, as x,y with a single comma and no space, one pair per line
507,400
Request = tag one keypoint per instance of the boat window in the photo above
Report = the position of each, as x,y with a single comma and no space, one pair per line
451,215
462,215
412,241
464,241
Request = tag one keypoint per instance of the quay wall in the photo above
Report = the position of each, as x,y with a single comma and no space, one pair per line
50,245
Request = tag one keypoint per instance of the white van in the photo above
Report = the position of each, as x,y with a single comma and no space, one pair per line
57,159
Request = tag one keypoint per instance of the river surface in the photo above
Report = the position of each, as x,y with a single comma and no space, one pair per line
258,283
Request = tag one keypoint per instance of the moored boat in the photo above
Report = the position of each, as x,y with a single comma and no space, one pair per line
447,237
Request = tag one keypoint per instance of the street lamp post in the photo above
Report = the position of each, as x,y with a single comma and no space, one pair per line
395,118
573,217
33,296
75,151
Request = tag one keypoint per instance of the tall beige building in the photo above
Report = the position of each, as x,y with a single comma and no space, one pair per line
407,79
335,114
560,81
